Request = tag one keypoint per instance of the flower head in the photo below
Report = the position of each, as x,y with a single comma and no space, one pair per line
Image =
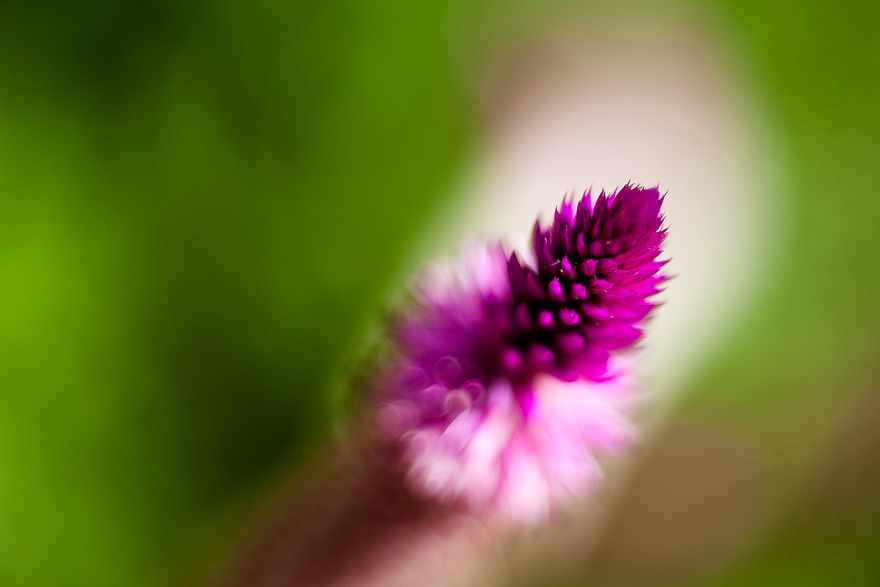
508,384
596,267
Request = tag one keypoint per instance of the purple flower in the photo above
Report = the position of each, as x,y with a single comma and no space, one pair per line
596,268
507,383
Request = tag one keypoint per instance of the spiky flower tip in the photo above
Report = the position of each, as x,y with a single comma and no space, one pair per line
512,378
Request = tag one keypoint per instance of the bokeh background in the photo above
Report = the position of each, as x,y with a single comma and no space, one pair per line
207,207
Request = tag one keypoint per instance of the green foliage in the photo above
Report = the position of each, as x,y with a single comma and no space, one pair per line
817,82
202,205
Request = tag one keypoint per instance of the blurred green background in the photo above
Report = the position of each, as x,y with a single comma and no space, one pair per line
206,204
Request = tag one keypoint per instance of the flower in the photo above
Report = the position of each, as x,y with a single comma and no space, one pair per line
509,381
596,268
